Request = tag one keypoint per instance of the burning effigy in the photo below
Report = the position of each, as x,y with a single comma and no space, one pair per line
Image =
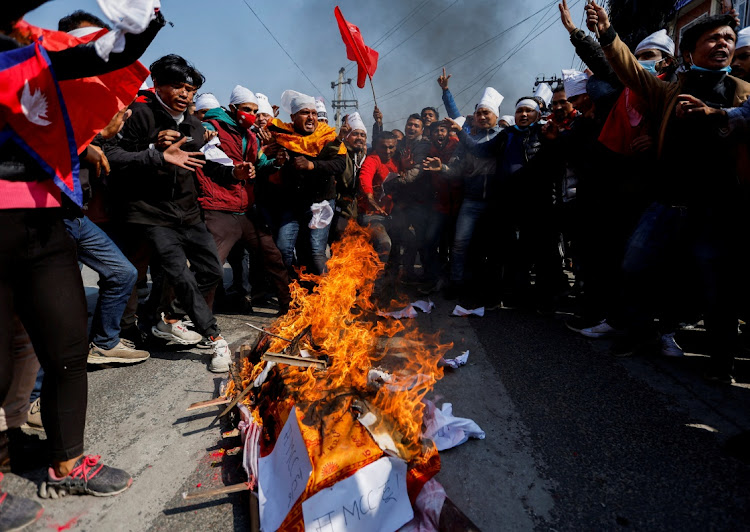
331,402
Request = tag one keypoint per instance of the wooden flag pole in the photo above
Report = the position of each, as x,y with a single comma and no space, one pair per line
373,91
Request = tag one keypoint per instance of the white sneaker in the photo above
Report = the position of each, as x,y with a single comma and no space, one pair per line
670,348
221,357
175,332
602,330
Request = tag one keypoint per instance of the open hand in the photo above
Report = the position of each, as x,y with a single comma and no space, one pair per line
690,107
189,160
454,126
432,164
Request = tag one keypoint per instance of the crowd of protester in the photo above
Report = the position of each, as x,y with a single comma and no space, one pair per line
619,193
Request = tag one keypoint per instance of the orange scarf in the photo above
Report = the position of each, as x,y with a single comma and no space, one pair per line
310,145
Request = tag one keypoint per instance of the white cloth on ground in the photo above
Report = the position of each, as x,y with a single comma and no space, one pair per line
446,430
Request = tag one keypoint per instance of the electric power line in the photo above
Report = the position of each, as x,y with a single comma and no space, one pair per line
392,30
282,48
420,29
455,60
517,49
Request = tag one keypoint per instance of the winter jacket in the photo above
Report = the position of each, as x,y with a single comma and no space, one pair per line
478,174
240,145
688,154
152,191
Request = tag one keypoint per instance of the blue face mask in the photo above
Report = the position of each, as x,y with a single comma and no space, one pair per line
726,69
649,66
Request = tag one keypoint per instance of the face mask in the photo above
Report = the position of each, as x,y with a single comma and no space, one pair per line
726,69
245,120
693,66
649,66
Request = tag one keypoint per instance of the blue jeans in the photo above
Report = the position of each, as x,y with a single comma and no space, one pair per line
314,245
117,276
468,216
671,241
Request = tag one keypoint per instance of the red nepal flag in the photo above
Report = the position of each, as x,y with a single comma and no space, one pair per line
33,115
91,102
366,58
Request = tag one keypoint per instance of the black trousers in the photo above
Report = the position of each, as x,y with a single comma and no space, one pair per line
228,229
41,282
193,286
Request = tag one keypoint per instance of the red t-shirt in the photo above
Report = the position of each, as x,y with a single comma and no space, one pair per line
371,177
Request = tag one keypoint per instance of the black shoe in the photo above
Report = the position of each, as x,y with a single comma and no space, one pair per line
577,324
135,335
88,477
739,446
17,512
719,377
205,343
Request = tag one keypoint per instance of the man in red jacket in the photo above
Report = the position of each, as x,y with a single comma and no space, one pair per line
228,206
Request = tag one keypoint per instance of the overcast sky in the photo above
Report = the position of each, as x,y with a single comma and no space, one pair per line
229,45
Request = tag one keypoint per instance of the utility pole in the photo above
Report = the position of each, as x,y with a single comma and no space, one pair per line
338,104
548,81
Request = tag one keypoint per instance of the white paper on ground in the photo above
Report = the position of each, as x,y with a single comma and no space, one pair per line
457,362
213,153
460,311
283,475
446,430
409,312
372,499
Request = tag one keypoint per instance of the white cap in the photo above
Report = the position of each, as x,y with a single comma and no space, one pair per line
544,91
461,120
528,102
241,94
743,39
355,122
293,102
656,41
574,82
491,99
206,101
264,106
511,120
320,106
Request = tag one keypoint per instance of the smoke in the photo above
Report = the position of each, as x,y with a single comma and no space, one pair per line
406,78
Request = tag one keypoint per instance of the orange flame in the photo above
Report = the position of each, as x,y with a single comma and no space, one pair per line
390,374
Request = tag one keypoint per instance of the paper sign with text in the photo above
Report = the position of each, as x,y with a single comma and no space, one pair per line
283,475
374,499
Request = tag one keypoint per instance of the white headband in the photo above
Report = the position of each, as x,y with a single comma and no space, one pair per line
528,102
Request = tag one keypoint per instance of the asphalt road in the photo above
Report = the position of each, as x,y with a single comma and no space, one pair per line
575,439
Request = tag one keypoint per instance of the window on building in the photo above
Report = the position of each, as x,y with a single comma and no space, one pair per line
741,7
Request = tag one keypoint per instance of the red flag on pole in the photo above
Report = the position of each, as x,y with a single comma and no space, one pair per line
356,50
